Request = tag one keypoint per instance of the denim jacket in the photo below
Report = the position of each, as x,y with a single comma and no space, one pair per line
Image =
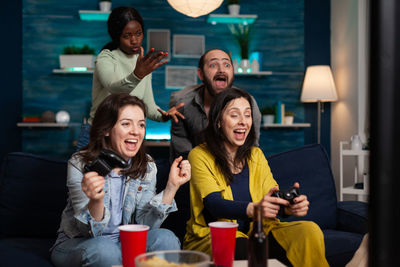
141,205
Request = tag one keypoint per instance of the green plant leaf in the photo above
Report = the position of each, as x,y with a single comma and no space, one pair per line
242,34
75,50
232,2
268,110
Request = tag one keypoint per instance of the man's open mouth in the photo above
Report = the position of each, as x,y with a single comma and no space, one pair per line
221,81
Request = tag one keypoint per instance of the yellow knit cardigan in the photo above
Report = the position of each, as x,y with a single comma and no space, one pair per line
207,178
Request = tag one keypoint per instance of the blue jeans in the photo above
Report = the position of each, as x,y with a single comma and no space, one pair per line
102,251
84,136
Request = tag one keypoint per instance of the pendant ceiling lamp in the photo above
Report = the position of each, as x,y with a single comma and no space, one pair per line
195,8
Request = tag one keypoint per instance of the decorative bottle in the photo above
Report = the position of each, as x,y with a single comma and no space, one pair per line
235,66
255,66
257,245
356,142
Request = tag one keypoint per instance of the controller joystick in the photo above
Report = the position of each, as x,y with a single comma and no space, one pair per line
105,162
288,195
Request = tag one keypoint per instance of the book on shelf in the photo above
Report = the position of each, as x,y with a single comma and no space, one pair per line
280,112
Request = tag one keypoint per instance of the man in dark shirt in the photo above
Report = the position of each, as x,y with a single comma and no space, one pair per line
215,70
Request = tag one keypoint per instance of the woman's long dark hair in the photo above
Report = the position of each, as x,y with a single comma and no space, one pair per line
119,17
215,137
105,118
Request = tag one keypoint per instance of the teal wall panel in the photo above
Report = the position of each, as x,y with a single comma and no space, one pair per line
50,25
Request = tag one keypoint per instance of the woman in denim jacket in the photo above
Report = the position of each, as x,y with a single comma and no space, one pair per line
97,205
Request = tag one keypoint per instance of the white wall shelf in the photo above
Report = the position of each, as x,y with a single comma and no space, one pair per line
278,125
349,152
152,143
259,73
350,190
94,15
230,19
61,71
47,124
360,155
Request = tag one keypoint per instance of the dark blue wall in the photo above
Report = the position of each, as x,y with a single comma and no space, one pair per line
11,76
317,15
284,34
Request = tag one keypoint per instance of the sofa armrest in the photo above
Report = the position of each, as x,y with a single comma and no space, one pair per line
352,216
32,188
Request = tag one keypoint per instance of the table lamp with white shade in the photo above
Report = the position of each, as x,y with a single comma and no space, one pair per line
319,87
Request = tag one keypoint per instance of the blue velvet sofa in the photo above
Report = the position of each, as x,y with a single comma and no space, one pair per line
343,223
33,195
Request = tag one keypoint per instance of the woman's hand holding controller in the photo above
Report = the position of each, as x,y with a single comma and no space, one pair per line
92,185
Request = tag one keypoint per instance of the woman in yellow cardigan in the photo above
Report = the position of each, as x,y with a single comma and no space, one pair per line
230,176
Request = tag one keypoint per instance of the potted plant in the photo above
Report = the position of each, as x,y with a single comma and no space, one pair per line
289,117
233,7
77,57
268,114
105,5
242,35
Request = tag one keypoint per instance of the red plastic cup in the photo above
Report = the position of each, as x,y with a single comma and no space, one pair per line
223,241
133,242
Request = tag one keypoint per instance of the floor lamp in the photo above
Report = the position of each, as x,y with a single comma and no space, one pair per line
318,87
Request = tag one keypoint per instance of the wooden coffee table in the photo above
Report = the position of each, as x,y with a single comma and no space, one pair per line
243,263
271,263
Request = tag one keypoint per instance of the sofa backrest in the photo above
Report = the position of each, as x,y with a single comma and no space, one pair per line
33,194
310,166
176,221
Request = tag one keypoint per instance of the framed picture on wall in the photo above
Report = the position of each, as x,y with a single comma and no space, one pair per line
188,45
159,39
178,77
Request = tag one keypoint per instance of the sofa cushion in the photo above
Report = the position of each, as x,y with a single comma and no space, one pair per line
32,195
176,221
352,216
25,252
340,246
310,166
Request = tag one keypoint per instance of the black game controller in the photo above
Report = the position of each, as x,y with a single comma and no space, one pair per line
288,195
105,162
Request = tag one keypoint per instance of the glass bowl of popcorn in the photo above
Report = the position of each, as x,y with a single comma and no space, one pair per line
173,258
